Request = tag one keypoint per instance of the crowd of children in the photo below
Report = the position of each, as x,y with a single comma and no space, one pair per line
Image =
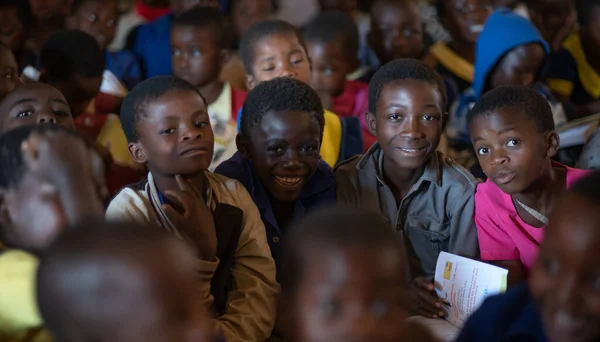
198,170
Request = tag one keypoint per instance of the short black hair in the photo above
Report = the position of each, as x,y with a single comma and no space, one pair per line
333,227
135,103
11,156
23,11
533,104
280,94
90,243
404,69
206,18
584,10
328,27
261,30
71,52
76,4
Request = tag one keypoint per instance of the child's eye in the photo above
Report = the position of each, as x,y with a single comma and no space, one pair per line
483,151
110,23
308,148
394,117
427,117
176,52
196,52
24,113
10,75
330,307
92,18
513,143
62,113
167,131
275,149
269,68
202,124
297,61
409,31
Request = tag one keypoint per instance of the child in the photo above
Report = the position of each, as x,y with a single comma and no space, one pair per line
426,197
396,31
168,128
48,18
510,51
151,41
454,60
345,267
514,139
99,19
32,104
278,160
554,19
73,63
574,72
332,42
10,71
126,283
244,14
200,46
560,302
15,24
275,48
49,178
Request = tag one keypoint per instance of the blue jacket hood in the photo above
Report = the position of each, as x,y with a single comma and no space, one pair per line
503,31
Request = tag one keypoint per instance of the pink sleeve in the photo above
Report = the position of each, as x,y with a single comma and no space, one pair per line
494,242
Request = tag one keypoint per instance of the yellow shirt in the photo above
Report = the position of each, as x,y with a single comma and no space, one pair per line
332,139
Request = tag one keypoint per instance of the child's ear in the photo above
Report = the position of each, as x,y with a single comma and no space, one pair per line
553,144
250,82
243,145
371,123
137,153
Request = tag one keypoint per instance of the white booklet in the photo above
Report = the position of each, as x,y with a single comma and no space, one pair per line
462,284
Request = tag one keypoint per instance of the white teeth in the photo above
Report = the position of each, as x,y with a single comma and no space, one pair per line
288,181
412,150
476,28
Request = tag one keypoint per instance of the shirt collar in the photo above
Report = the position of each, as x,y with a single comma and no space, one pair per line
372,162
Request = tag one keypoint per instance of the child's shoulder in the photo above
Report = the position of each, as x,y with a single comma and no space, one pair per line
227,190
453,174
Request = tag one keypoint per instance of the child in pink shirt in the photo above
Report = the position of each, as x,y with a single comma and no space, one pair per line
512,131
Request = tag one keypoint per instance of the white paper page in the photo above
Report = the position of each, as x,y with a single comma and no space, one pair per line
462,284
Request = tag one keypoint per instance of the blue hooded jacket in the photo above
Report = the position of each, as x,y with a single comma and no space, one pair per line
503,31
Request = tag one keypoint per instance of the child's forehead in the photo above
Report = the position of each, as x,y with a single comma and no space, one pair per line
400,87
282,41
283,122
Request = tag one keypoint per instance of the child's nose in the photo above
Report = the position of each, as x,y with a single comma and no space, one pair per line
46,118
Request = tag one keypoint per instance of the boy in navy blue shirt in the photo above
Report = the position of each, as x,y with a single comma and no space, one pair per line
562,299
278,160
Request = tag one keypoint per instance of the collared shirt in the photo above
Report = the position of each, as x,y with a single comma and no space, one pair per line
511,316
435,215
570,75
318,191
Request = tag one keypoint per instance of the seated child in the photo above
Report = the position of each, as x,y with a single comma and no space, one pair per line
99,19
353,255
275,48
168,128
244,14
48,18
278,160
454,59
15,25
513,135
200,47
555,19
559,303
332,42
396,31
426,197
574,71
151,42
127,283
10,71
510,51
49,178
73,63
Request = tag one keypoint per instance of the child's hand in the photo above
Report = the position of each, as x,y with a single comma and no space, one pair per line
425,301
196,221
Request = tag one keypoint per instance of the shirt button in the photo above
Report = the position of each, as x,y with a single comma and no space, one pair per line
276,239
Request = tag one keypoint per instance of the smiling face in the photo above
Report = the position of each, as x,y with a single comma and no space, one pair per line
565,281
330,66
196,55
32,104
511,150
550,17
464,19
98,18
174,137
396,31
350,294
279,55
408,122
519,67
284,150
